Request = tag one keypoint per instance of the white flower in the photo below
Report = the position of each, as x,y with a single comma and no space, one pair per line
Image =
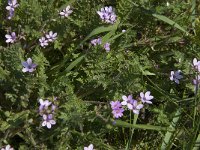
43,42
8,147
11,38
48,121
51,36
90,147
146,98
127,101
66,12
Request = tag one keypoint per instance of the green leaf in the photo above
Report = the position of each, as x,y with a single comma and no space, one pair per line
169,21
139,126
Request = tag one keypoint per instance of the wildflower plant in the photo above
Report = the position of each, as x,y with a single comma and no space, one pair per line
90,59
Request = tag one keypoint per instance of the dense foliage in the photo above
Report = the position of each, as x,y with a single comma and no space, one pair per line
150,45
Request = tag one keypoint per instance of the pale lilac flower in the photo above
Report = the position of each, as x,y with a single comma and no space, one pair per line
137,107
48,120
107,47
175,76
44,104
66,12
96,41
196,82
43,42
53,107
115,104
117,113
11,38
117,109
196,64
12,4
8,147
51,36
90,147
127,101
11,14
28,65
146,98
107,15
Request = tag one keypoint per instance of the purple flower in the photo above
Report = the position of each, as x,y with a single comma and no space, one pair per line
11,14
175,76
48,121
117,113
146,98
90,147
8,147
12,4
115,104
28,66
137,107
66,12
107,47
11,38
127,101
43,42
44,104
196,64
96,41
117,109
51,36
107,15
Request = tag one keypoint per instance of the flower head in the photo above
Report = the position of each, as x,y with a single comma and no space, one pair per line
48,121
146,97
90,147
115,104
107,47
65,12
11,38
137,107
8,147
117,113
12,4
51,36
127,101
28,65
175,76
196,64
107,15
96,41
44,104
117,109
43,42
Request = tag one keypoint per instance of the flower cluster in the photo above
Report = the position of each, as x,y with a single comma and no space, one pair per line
65,12
90,147
47,110
12,4
28,65
8,147
11,38
107,15
50,37
130,104
98,41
